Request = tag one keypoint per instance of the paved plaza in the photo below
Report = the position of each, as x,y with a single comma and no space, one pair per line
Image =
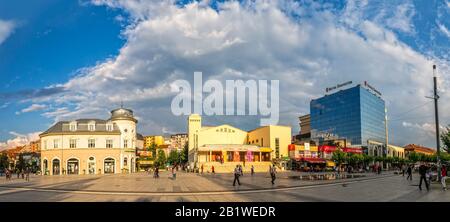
290,186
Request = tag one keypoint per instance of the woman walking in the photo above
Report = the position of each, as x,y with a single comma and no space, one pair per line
444,177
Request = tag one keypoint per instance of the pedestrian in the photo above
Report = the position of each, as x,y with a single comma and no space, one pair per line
444,177
27,176
252,170
423,172
236,175
174,173
409,172
18,173
241,172
273,172
212,170
23,174
403,170
201,172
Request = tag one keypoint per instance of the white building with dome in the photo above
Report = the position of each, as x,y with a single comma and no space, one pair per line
91,146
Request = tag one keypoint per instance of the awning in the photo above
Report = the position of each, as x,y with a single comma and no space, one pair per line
311,160
330,163
265,149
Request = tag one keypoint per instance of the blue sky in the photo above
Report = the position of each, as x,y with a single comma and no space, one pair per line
71,59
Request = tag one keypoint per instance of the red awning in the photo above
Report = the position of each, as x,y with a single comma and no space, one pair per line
352,150
330,149
311,160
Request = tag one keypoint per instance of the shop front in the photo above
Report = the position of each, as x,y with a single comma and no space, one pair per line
233,153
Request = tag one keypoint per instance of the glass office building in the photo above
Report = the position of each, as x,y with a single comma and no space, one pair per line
355,114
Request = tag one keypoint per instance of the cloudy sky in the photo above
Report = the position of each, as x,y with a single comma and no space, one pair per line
64,60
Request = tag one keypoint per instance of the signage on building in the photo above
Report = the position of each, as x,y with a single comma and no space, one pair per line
371,88
306,146
328,89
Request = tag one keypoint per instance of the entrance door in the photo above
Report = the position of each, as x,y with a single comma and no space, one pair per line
91,165
109,165
72,166
56,167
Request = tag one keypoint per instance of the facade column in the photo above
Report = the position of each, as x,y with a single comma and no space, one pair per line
260,156
210,156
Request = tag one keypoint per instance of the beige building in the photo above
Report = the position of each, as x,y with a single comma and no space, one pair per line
224,146
91,146
375,148
178,141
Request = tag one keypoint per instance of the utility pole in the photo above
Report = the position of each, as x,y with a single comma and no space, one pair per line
436,114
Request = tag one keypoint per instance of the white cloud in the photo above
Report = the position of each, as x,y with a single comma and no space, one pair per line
33,108
256,40
444,30
6,28
19,140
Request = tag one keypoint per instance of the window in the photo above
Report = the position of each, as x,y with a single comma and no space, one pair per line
73,126
277,147
125,161
109,127
91,126
55,143
73,143
109,143
125,143
91,143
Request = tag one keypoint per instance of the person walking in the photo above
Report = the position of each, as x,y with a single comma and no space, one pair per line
241,172
409,172
236,176
174,173
403,170
201,168
423,172
27,174
212,170
444,177
252,170
273,172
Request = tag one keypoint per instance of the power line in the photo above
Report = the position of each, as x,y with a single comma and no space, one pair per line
413,109
409,118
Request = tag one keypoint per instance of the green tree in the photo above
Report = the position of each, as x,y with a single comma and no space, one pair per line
184,154
339,157
152,148
445,137
160,159
20,165
174,157
4,161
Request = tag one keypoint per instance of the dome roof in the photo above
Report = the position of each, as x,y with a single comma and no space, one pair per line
122,114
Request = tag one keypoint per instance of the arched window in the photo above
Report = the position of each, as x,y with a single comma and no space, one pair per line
109,165
73,126
125,162
91,126
55,167
91,165
72,166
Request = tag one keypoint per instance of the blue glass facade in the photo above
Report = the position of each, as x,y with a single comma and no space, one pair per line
355,114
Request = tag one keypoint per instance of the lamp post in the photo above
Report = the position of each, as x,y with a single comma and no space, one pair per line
436,115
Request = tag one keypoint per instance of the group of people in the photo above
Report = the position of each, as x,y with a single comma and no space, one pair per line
425,173
238,172
24,173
